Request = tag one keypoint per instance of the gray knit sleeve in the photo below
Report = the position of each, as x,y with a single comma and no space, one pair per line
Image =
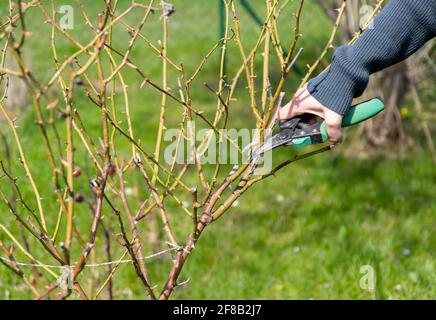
400,29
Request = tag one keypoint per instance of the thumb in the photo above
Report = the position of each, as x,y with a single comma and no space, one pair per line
333,122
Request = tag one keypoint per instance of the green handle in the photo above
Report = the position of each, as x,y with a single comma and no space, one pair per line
362,112
354,115
358,113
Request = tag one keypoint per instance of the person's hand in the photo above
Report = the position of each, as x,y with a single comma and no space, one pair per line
303,102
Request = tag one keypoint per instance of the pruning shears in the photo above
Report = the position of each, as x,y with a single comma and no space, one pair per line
299,132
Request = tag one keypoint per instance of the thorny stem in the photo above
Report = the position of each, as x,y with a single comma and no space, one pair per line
164,86
25,164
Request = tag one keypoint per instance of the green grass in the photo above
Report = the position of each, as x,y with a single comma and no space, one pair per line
300,235
306,234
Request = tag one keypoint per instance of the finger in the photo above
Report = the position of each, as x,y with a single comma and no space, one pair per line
285,112
333,125
334,133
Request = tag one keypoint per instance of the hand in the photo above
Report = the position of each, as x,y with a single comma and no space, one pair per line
303,102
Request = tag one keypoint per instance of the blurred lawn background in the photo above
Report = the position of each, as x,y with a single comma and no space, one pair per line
300,235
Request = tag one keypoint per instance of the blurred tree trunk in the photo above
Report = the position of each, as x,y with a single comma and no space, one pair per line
16,88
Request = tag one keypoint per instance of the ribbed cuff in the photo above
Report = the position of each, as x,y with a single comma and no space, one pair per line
333,89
